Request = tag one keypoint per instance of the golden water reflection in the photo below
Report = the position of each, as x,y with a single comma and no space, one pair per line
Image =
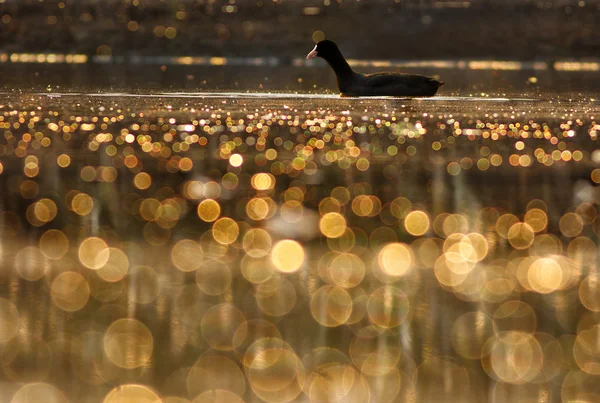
246,253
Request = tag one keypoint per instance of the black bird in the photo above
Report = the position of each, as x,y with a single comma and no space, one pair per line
353,84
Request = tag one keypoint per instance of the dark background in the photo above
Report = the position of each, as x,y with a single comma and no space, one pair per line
121,30
400,29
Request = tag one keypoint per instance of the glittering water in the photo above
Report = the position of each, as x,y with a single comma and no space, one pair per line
267,96
283,247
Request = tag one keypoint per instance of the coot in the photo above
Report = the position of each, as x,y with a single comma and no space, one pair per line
353,84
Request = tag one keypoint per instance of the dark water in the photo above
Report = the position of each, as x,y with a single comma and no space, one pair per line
160,245
160,77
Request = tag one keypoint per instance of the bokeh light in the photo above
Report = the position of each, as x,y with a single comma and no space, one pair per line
92,253
416,223
287,255
128,344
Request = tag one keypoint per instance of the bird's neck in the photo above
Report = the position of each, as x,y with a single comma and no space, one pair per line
340,66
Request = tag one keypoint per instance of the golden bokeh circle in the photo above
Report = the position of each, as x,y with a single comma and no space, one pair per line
332,225
438,224
31,264
292,211
504,223
45,210
257,243
395,259
582,250
587,212
219,325
187,255
213,277
149,209
263,181
82,204
451,269
169,212
128,343
208,210
287,255
331,306
63,160
470,332
92,253
257,208
70,291
400,207
454,224
116,267
346,270
545,275
416,223
537,219
570,225
474,247
54,244
516,357
329,205
275,373
236,160
257,270
520,235
142,181
29,189
276,296
318,36
225,231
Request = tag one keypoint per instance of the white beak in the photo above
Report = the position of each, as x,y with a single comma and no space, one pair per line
313,53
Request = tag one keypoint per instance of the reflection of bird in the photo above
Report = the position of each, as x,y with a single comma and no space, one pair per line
355,84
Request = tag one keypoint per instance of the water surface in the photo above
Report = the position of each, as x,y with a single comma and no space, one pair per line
246,246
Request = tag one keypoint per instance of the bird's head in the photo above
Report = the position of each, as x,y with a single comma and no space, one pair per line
323,49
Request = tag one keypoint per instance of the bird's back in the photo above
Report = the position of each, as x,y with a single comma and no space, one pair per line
393,84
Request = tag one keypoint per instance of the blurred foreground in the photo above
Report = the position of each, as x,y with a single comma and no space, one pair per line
240,247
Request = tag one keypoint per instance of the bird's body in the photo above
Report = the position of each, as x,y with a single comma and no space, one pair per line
353,84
